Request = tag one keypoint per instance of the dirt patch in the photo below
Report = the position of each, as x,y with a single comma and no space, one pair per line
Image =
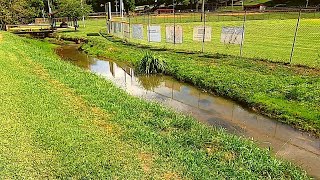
171,16
146,161
171,176
104,125
237,14
229,156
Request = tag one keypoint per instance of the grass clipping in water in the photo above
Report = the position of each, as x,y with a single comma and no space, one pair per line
150,64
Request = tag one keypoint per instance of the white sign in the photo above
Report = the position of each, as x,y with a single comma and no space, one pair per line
126,30
232,35
154,33
137,31
174,34
202,31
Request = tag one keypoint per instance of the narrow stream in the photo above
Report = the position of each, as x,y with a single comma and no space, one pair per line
284,141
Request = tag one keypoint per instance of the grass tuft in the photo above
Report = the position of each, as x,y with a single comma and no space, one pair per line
150,64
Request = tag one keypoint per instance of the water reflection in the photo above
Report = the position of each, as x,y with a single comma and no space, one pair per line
283,140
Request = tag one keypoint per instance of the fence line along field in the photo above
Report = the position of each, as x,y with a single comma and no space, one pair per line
269,38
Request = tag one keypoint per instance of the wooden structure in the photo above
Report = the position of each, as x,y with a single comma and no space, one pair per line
164,11
41,21
43,27
34,28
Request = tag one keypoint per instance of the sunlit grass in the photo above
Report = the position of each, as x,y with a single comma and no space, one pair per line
264,39
289,94
59,121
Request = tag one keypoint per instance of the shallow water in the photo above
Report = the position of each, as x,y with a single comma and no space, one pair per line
284,141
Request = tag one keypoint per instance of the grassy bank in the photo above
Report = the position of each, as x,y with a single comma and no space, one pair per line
59,121
287,93
264,39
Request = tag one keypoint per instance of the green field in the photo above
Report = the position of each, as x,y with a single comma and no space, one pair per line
254,2
269,39
59,121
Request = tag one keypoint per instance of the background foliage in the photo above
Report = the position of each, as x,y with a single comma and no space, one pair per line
24,11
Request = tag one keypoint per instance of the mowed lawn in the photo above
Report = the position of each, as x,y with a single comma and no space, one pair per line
264,39
58,121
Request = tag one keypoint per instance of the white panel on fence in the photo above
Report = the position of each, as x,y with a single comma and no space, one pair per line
114,25
231,35
170,36
126,30
154,33
119,25
137,31
198,33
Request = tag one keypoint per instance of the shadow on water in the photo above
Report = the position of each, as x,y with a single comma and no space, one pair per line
284,141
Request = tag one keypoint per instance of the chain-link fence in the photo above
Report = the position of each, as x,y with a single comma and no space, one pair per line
289,37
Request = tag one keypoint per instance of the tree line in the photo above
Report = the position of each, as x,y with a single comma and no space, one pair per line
24,11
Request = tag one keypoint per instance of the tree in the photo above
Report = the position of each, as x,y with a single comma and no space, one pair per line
19,11
71,8
24,11
98,5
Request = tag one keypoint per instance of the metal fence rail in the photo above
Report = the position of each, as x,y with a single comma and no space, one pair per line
289,37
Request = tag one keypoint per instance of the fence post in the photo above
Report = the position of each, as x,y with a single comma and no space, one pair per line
174,23
107,7
295,37
204,28
129,27
243,32
148,28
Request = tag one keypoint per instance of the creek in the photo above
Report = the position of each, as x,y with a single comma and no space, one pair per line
284,141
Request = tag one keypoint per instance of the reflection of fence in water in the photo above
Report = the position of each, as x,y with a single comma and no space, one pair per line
269,133
283,140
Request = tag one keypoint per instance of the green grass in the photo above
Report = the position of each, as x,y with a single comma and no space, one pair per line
289,94
264,39
59,121
285,93
230,8
254,2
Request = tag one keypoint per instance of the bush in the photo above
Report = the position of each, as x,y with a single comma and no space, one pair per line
150,64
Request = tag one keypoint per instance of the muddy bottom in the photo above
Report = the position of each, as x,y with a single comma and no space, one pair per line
284,141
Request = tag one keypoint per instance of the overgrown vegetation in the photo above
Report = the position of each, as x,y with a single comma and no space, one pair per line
59,121
150,64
